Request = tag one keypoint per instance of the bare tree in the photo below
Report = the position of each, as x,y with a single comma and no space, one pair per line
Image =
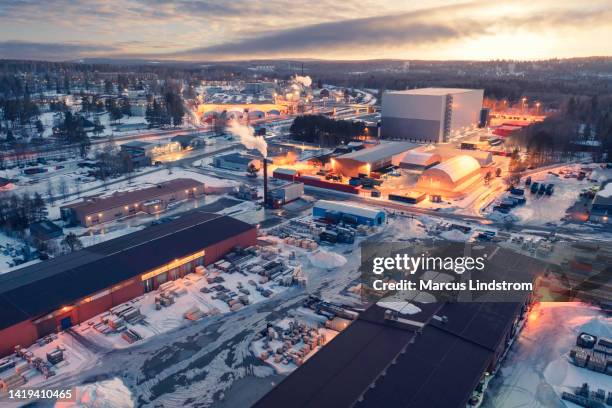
71,242
77,187
63,188
50,192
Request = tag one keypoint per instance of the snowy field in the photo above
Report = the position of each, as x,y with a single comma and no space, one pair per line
537,368
541,209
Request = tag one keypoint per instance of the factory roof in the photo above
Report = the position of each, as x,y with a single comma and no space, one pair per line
237,158
347,208
457,167
604,196
118,199
376,362
137,143
379,152
420,158
41,288
433,91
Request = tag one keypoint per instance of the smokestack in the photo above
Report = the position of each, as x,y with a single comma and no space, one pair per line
265,176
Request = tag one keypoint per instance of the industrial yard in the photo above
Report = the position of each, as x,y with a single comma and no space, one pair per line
191,235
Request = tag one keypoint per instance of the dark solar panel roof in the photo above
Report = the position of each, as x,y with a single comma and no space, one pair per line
42,288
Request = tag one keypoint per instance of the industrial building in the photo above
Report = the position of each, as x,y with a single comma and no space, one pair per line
70,289
416,160
342,210
366,161
151,200
436,357
281,195
451,177
429,114
484,158
45,230
146,153
601,208
236,162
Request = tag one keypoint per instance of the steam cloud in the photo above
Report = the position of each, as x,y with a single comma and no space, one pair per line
247,137
306,81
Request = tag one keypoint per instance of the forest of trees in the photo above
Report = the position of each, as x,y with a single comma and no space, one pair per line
583,124
324,131
17,212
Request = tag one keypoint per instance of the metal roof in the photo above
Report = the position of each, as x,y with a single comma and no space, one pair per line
380,152
456,167
119,199
138,143
604,196
420,158
40,289
378,363
347,208
236,158
433,91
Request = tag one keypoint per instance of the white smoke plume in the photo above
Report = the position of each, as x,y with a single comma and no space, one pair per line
306,81
247,137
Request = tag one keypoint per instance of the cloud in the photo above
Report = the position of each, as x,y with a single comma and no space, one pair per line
413,30
356,29
51,51
416,28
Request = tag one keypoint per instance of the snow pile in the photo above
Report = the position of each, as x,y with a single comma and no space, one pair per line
501,217
110,393
601,175
402,307
455,235
606,192
327,260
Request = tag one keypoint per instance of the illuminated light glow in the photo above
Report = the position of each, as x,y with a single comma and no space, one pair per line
172,265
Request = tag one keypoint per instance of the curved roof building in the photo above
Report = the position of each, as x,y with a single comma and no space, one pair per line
450,177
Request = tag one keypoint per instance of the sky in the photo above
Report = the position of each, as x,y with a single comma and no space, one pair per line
213,30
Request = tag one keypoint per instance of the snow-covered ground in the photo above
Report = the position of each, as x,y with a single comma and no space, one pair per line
10,248
537,368
541,209
172,317
104,394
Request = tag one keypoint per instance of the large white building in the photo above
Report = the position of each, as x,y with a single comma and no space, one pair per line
429,114
370,159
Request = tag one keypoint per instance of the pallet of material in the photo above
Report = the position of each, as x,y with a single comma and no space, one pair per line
598,362
178,292
193,277
166,286
11,381
131,336
22,367
120,309
603,349
6,365
166,301
115,322
194,314
55,356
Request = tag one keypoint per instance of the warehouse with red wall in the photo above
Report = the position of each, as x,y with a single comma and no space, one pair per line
54,295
